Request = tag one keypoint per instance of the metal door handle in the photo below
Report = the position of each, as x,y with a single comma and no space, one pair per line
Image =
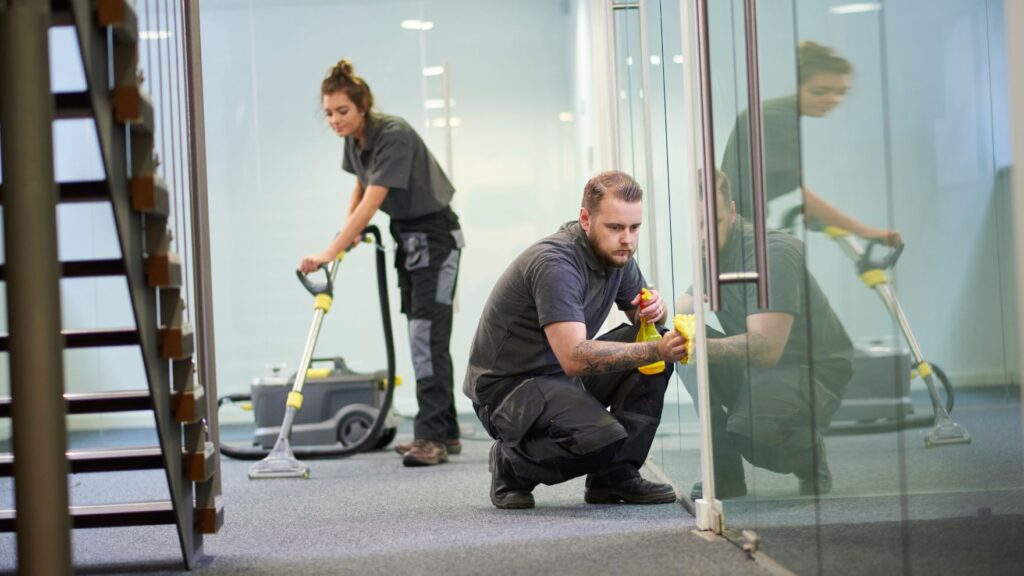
715,277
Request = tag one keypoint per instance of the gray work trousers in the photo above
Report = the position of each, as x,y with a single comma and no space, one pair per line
427,259
555,427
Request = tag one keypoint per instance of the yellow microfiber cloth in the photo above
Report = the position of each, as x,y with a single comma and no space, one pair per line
686,325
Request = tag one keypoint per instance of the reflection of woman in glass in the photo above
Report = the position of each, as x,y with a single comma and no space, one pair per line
824,81
396,173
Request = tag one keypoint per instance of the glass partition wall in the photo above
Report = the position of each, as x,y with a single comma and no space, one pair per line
886,434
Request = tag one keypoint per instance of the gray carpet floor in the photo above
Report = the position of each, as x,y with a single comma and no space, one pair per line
896,508
369,515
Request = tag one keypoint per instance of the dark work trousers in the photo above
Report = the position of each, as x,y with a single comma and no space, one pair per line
552,428
427,261
769,416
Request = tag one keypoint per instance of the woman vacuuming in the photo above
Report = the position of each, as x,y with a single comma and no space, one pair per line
396,173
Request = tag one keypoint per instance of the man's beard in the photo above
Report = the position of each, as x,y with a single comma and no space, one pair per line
604,257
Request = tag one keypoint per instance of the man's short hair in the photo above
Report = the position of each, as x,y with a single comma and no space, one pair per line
723,187
619,184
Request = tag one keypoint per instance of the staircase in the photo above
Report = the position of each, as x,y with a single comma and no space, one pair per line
108,36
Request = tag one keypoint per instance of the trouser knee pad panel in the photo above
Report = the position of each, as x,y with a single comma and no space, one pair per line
590,441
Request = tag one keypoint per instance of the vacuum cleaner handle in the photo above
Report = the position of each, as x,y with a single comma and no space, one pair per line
328,287
318,288
866,261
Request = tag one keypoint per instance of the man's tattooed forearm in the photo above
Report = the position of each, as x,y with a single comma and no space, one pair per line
606,357
727,349
746,346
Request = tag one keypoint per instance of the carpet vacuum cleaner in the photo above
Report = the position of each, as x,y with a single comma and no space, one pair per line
341,412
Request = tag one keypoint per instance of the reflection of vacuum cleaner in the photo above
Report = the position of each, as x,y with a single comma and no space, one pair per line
346,412
870,395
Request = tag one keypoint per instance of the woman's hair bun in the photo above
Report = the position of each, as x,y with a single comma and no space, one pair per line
343,68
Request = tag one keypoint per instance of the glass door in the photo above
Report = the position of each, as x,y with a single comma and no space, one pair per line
868,411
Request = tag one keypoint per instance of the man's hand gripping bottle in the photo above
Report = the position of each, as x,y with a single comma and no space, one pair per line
648,333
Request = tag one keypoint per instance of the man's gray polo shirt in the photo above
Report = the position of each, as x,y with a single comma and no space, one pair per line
394,156
557,279
817,337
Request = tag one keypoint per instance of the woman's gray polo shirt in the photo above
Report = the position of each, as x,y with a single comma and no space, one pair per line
558,279
395,157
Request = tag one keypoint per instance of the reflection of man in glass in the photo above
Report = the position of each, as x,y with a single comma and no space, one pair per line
824,81
777,375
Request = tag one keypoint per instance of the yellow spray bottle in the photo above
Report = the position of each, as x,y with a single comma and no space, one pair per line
648,333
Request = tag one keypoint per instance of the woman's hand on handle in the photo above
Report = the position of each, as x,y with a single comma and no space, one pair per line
890,238
312,262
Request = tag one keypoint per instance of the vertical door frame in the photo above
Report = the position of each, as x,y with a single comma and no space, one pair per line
1015,70
708,510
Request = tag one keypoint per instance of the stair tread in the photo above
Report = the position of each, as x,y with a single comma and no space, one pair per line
83,191
90,338
109,515
101,460
84,268
72,105
96,402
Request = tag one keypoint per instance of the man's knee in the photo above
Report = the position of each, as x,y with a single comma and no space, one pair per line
591,441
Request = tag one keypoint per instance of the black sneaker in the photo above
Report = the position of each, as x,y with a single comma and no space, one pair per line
507,493
723,491
635,490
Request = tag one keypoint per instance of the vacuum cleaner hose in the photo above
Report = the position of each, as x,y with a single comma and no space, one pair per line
373,434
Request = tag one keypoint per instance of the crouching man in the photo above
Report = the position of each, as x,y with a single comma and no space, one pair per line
558,402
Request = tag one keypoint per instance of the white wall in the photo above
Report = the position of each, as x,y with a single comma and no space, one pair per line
277,191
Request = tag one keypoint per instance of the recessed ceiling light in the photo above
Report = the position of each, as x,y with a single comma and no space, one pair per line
856,8
417,24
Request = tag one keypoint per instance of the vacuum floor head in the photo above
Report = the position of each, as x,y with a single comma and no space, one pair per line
947,432
280,463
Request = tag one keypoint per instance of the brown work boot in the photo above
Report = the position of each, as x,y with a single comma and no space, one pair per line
425,453
453,445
